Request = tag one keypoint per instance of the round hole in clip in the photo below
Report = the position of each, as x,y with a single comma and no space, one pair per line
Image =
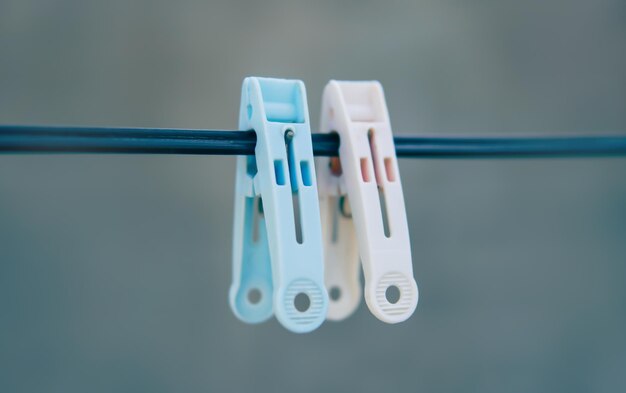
334,293
302,302
392,294
254,296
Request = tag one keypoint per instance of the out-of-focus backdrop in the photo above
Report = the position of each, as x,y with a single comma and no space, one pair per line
114,270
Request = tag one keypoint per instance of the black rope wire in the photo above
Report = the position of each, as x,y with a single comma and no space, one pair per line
47,139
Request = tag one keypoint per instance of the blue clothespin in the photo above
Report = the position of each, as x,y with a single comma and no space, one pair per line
277,250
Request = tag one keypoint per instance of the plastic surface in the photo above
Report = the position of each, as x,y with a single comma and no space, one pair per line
369,179
277,246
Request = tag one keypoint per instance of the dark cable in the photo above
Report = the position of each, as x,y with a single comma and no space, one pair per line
44,139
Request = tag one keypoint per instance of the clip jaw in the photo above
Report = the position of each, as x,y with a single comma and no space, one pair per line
282,174
370,178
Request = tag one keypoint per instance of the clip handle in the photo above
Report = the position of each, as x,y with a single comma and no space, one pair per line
358,112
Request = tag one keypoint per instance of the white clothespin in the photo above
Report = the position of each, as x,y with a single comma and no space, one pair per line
361,193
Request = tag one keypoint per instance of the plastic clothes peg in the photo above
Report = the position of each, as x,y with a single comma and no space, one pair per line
365,178
277,235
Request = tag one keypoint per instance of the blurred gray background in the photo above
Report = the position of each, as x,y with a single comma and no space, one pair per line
115,270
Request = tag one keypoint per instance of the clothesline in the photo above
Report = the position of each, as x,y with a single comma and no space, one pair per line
59,139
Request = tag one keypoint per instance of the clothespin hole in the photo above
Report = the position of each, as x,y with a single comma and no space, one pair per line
302,302
392,294
255,295
249,109
334,293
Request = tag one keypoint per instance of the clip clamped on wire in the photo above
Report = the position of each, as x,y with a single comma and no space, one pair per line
366,173
277,234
